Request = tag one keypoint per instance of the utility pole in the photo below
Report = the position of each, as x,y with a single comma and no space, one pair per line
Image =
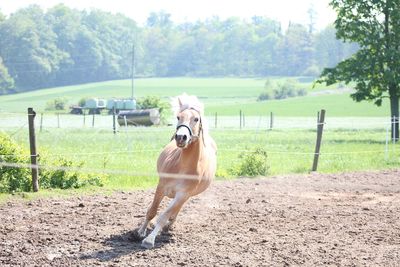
133,70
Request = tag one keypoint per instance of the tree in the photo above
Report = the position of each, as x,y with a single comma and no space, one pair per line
6,82
375,68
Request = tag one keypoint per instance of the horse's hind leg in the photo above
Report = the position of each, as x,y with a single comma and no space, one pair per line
173,209
151,212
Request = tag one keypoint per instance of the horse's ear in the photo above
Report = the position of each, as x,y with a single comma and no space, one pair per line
180,102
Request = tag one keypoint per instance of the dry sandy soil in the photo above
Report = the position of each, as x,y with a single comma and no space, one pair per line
350,219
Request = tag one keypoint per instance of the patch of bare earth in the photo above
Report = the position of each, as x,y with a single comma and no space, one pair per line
350,219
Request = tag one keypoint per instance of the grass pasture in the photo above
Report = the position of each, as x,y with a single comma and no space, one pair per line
354,138
226,96
129,157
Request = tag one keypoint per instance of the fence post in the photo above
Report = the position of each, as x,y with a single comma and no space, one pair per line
320,128
271,121
126,122
32,143
394,129
114,128
93,121
41,122
84,118
58,120
240,119
216,120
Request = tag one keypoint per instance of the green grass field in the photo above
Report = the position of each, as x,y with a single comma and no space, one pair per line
226,96
129,157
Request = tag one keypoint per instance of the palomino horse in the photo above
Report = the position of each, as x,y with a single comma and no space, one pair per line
186,166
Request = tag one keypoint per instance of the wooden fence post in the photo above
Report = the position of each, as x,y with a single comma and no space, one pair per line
41,122
32,143
271,121
114,127
320,130
240,119
93,121
84,118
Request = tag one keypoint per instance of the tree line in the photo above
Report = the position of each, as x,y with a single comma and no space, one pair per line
63,46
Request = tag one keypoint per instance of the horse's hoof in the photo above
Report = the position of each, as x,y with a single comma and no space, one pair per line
136,236
147,244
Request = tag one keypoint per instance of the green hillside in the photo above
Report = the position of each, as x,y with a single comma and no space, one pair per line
223,95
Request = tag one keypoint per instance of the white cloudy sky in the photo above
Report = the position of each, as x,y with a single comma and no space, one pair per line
191,10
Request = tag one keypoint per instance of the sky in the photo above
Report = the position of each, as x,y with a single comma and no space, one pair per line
192,10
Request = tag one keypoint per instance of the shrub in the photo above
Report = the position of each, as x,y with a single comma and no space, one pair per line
155,102
11,178
264,96
302,92
289,88
82,101
69,177
58,103
252,164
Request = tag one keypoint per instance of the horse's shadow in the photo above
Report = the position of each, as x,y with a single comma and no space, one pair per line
125,243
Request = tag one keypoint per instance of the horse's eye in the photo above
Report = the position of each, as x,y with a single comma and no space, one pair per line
196,119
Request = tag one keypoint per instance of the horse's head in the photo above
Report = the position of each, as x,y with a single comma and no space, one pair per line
189,127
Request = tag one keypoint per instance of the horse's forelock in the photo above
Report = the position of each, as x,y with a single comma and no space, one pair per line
184,102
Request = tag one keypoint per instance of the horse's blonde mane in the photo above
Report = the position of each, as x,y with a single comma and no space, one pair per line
185,101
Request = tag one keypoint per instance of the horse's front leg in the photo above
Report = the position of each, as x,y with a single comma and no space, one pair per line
151,212
173,209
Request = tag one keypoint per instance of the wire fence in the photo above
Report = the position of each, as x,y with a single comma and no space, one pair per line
133,151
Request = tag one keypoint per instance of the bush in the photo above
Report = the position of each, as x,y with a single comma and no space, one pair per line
82,101
286,89
252,164
264,96
302,92
56,104
13,179
68,177
155,102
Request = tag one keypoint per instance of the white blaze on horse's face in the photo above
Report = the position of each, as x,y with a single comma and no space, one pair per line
188,128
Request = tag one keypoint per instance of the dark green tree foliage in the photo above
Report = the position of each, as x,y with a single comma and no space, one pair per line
6,82
375,68
66,46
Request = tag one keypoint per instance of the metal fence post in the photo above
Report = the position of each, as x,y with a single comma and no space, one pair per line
320,128
32,143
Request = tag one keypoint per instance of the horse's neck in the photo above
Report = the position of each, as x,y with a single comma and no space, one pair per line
192,154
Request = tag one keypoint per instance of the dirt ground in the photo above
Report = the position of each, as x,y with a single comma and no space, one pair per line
350,219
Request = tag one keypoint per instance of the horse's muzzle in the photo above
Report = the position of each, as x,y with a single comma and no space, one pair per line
181,140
